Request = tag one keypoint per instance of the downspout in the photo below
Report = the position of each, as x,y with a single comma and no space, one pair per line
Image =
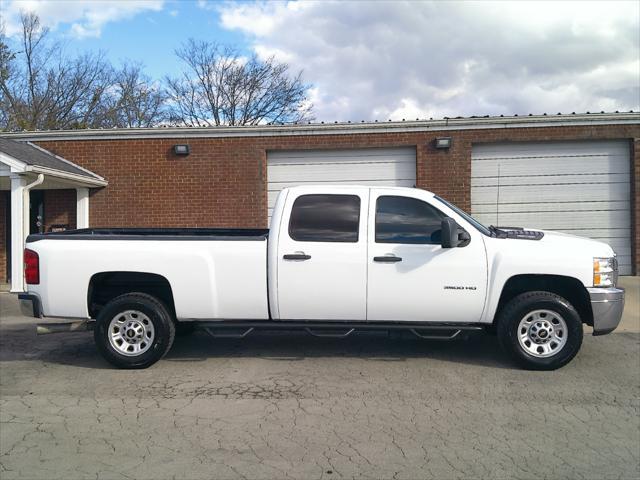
25,215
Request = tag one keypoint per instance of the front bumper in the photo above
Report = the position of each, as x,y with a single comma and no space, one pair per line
607,305
30,305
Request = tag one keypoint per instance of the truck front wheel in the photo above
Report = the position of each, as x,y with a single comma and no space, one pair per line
540,330
134,330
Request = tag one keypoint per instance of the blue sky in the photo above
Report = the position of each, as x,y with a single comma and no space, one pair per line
150,36
369,60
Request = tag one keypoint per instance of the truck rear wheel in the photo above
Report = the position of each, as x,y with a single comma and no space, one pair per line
540,330
134,330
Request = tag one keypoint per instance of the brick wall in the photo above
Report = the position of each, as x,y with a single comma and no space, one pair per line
4,206
223,181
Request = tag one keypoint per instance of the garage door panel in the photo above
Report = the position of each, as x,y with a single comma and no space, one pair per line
601,234
580,187
601,164
576,179
339,173
618,244
550,193
364,155
552,207
277,186
340,160
538,149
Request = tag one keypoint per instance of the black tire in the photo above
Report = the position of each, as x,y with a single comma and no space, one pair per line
152,310
184,329
508,323
491,330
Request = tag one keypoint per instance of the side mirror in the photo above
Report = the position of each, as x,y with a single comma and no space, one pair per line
449,233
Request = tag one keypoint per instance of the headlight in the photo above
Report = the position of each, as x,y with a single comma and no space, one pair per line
605,272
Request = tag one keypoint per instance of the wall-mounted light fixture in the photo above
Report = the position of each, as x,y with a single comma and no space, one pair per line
443,142
181,149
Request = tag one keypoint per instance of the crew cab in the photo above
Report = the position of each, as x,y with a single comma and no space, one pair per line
336,259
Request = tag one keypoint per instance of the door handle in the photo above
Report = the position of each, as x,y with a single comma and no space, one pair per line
296,256
387,259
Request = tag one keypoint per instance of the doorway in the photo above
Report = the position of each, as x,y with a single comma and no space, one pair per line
36,211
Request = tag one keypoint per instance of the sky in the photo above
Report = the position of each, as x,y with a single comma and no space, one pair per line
379,60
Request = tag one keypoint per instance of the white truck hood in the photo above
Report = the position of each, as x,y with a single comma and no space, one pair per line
554,254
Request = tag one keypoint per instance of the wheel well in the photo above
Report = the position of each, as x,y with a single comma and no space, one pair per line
106,286
567,287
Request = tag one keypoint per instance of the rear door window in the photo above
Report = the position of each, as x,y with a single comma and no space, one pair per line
325,218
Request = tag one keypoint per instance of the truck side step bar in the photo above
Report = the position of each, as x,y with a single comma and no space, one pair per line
64,327
330,333
426,334
215,332
328,329
333,329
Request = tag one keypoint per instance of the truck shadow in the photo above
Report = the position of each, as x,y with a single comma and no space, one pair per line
20,343
478,349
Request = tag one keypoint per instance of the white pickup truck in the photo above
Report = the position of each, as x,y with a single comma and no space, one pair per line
335,260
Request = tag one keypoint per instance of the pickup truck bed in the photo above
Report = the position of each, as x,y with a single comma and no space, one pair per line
208,272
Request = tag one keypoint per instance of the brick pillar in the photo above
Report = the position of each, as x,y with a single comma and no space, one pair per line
446,172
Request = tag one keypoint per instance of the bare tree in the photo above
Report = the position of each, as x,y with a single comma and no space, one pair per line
6,56
133,100
41,88
220,87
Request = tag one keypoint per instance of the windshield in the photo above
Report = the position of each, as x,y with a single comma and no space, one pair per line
466,216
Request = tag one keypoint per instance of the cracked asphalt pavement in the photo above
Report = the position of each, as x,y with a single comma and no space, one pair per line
295,406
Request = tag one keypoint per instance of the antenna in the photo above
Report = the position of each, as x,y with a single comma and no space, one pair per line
498,199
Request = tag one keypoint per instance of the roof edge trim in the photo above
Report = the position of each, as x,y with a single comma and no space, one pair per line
83,179
450,124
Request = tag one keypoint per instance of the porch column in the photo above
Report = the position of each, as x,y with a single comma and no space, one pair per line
17,231
82,208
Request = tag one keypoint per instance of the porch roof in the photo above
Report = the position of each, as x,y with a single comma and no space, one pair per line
25,157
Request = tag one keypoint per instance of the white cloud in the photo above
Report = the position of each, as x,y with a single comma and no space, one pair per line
255,19
432,59
85,17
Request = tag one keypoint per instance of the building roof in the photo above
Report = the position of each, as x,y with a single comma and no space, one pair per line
33,155
338,128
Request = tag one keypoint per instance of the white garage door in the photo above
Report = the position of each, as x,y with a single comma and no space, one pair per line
582,188
368,166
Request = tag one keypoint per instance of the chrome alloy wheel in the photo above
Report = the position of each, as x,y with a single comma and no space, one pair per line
131,333
542,333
